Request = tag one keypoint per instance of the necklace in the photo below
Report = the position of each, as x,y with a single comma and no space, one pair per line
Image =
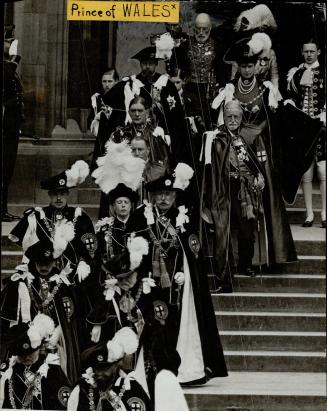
245,87
28,396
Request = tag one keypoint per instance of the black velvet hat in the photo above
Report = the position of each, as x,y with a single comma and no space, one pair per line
148,53
95,356
18,341
42,251
241,53
67,179
164,183
121,190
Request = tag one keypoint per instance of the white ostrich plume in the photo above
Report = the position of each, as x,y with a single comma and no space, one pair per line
137,247
259,42
64,232
259,17
41,327
77,173
125,342
183,174
164,45
118,165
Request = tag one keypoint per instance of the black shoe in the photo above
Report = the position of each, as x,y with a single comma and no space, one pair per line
14,217
200,381
323,223
6,218
307,223
248,271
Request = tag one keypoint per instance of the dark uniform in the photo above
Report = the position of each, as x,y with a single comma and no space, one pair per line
13,117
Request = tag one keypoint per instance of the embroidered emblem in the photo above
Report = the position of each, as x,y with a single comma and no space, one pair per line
160,310
63,395
68,306
90,241
47,253
262,156
171,102
61,182
26,346
100,358
194,244
136,404
167,183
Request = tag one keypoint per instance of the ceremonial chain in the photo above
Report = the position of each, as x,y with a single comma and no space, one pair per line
158,242
50,297
11,394
114,399
246,88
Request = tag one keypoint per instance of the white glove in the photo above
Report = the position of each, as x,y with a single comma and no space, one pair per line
83,270
96,333
259,182
179,278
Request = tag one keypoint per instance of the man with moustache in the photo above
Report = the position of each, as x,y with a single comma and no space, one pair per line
202,59
180,302
40,223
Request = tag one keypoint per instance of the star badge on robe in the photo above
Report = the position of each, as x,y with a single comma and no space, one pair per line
171,102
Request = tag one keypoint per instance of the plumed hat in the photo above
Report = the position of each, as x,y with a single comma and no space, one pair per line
124,342
41,251
24,339
179,180
248,50
67,179
148,53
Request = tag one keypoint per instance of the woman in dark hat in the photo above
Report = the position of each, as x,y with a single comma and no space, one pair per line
32,379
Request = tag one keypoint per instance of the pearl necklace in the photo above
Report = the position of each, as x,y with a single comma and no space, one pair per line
245,88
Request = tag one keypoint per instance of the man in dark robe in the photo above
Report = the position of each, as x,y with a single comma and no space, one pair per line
181,301
32,378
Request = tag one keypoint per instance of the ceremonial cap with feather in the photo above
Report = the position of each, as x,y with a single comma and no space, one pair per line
67,179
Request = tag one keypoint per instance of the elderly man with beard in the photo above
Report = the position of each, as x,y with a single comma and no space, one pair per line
180,302
202,59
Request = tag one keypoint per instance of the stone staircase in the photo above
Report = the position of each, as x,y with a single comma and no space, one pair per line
272,327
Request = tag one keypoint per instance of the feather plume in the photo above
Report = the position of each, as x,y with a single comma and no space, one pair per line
64,232
127,338
259,42
41,327
77,173
183,174
137,247
259,17
164,45
118,166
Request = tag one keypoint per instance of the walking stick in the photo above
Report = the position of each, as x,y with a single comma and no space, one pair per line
258,195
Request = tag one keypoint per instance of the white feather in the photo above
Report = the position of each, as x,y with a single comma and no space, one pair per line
137,247
183,173
64,232
259,16
118,166
259,42
77,173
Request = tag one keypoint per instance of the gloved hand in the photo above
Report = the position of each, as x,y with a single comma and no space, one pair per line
96,333
179,278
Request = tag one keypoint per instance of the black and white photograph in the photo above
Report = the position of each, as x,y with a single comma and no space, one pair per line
163,206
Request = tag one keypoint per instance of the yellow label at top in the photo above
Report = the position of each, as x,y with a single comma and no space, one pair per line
149,11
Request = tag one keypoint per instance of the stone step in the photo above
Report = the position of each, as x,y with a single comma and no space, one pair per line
307,247
267,361
270,321
252,301
306,264
273,340
298,215
299,201
295,283
260,391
